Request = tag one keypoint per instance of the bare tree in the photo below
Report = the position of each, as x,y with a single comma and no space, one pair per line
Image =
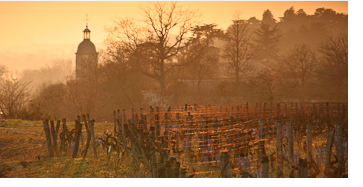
298,67
51,100
238,49
333,71
163,20
13,97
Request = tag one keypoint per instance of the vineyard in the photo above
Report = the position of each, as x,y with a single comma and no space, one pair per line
244,141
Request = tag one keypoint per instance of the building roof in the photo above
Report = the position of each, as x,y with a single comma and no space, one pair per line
86,46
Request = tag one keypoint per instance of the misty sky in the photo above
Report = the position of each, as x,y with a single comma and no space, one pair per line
34,34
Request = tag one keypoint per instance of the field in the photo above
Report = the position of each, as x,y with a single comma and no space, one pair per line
197,138
23,153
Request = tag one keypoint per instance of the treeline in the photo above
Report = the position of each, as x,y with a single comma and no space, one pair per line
167,59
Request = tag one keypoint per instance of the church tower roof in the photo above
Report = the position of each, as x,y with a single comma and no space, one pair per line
86,46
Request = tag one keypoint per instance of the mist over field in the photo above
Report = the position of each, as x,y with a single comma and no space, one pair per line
298,56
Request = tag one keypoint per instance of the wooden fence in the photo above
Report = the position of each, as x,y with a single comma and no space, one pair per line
262,140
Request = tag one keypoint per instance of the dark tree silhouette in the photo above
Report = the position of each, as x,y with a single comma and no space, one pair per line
266,42
238,49
333,71
200,56
298,67
162,22
268,18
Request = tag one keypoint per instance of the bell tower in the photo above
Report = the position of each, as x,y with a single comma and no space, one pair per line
86,56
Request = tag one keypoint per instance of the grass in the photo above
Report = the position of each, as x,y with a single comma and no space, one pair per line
24,141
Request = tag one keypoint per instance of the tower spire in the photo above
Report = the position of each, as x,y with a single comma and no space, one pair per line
86,32
86,20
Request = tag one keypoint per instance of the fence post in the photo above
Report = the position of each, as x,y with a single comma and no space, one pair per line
77,138
86,124
121,132
54,136
329,146
339,149
279,144
157,124
262,158
63,136
48,137
57,128
247,113
229,133
154,165
225,166
261,151
92,131
172,168
290,145
183,172
303,169
264,167
189,132
166,125
177,132
309,143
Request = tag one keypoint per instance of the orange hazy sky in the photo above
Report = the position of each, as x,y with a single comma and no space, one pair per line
26,26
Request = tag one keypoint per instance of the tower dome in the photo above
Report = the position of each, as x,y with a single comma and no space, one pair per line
86,56
86,46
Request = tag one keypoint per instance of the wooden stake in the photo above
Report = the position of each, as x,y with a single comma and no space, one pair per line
48,137
226,171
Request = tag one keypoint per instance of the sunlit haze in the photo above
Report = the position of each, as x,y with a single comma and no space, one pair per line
33,34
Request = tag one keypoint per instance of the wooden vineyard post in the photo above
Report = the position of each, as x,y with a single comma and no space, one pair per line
54,136
225,165
183,172
189,132
279,145
303,168
172,168
48,137
247,113
132,116
153,161
77,138
92,131
199,132
121,135
114,123
309,143
133,145
86,124
261,150
142,121
290,145
229,133
339,149
177,133
63,136
329,145
157,124
264,167
57,128
166,125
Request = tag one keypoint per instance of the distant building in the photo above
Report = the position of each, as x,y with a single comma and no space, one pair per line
86,56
